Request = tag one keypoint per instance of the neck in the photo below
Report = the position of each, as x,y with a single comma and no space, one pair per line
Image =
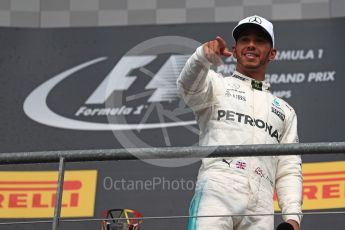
256,74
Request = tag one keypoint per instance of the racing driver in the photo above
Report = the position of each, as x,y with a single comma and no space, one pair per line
236,110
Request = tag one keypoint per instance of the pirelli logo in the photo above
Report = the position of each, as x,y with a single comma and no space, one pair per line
33,194
323,185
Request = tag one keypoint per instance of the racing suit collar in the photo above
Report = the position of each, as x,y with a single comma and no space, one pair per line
255,84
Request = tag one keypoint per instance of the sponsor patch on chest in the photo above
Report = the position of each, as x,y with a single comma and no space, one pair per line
247,120
233,94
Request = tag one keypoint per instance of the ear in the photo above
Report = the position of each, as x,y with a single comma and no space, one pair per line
272,54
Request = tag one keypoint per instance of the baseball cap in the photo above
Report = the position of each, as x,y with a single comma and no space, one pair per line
261,22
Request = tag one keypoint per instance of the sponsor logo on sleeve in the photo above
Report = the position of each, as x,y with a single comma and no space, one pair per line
280,114
276,103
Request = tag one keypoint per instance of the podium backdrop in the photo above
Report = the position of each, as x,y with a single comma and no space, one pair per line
114,87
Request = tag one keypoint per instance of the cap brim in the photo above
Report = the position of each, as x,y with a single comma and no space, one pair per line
240,28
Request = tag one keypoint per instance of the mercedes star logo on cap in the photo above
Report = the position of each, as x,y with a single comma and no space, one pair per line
255,19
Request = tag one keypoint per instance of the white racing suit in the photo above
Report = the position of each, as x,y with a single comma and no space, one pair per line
237,110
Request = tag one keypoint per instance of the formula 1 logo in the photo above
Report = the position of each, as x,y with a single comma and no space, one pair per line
136,98
162,88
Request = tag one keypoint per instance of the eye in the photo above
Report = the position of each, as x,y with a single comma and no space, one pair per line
260,40
243,39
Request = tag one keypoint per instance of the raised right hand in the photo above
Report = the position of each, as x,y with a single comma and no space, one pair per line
215,49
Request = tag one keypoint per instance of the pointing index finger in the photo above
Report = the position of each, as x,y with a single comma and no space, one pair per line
221,42
223,47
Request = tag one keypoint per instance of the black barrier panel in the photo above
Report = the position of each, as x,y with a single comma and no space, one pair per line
61,88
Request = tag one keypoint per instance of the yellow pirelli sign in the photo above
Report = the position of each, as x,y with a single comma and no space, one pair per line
32,194
323,185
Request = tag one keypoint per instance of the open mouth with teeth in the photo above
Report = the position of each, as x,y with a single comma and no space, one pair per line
251,55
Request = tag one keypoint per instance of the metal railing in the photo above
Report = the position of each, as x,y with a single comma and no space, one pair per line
161,153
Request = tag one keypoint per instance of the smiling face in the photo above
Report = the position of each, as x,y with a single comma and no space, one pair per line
253,51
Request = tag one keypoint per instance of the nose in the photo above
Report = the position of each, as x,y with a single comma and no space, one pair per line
251,44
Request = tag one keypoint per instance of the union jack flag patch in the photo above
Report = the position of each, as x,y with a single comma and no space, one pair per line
241,165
